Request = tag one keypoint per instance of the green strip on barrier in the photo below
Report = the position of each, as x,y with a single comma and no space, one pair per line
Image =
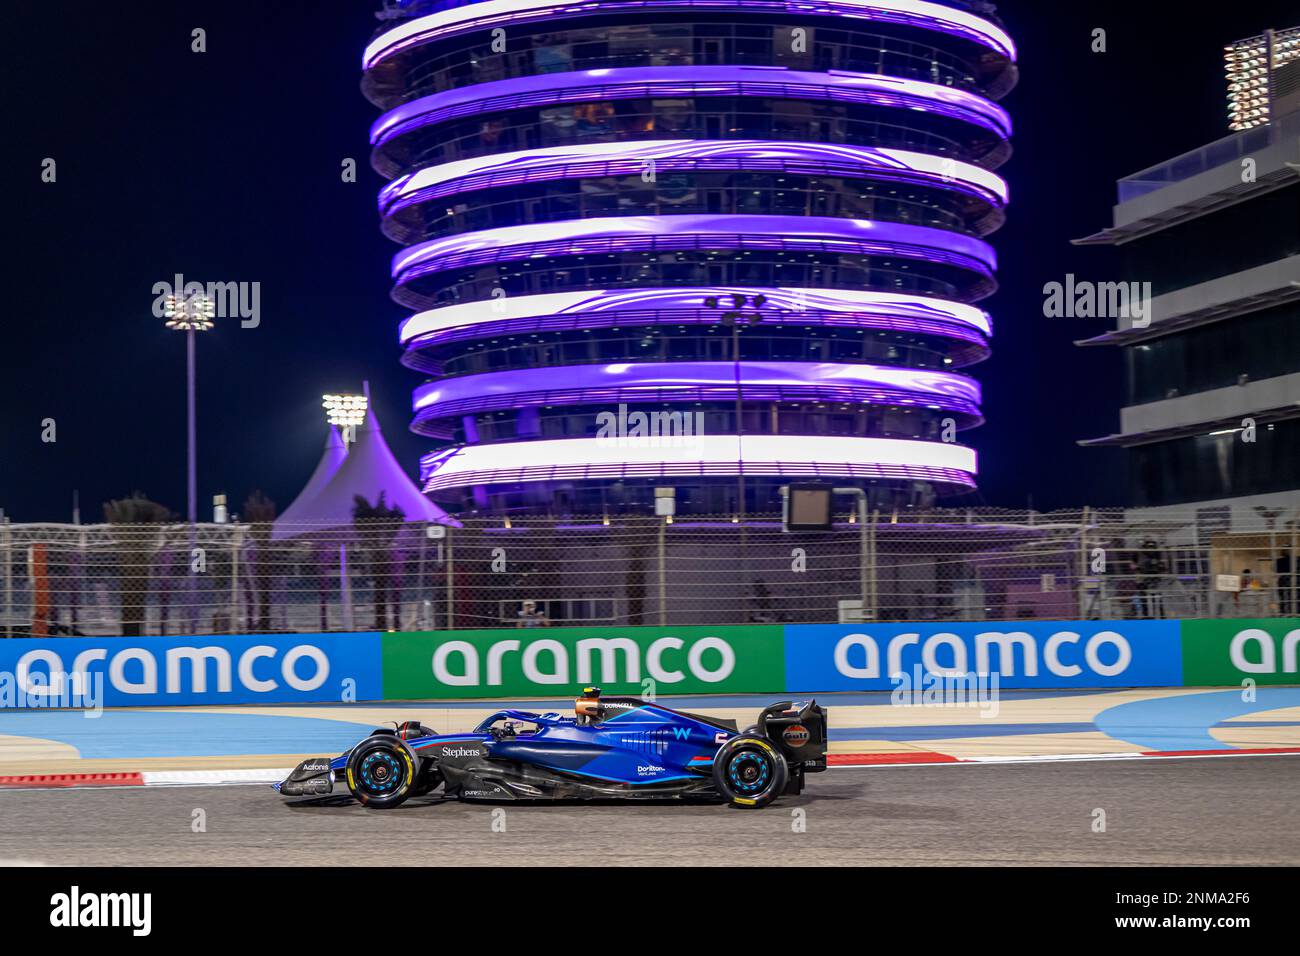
550,662
1224,653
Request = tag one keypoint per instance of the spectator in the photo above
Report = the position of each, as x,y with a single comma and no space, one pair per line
1286,583
530,615
1151,568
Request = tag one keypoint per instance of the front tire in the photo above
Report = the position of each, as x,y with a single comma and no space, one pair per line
749,772
381,772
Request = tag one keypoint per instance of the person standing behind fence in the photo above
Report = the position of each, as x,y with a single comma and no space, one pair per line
1151,569
1285,568
530,615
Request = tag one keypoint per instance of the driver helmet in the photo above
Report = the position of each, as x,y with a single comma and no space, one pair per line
588,703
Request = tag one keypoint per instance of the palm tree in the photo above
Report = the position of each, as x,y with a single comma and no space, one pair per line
133,556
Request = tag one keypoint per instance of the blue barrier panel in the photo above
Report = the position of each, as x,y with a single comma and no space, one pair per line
153,671
830,657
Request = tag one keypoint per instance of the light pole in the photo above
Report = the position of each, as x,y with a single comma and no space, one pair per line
190,314
346,412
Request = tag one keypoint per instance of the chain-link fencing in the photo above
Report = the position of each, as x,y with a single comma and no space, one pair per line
142,579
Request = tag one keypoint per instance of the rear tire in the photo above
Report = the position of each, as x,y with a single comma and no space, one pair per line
381,772
750,772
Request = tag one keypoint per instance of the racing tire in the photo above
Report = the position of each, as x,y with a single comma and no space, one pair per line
749,772
381,772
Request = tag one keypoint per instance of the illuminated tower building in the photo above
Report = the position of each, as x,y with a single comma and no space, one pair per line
704,244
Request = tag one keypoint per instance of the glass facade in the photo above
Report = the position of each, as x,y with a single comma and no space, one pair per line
687,117
679,344
1263,230
1238,350
678,41
1225,465
725,267
1247,348
690,192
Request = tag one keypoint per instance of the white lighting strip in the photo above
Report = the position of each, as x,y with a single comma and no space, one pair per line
692,454
870,159
922,14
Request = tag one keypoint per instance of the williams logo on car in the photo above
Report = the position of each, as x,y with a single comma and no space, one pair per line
795,736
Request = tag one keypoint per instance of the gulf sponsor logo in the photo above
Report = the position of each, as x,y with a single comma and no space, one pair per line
796,736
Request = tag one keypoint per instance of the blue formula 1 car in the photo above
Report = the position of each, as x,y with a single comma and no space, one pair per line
611,748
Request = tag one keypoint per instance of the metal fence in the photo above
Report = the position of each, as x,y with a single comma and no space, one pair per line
109,579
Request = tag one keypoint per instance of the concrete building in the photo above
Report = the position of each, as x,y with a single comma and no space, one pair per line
1211,421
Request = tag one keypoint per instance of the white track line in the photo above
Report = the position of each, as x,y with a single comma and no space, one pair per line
210,778
259,776
1052,758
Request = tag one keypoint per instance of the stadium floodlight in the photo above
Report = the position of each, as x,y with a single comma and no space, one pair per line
1251,67
192,313
347,411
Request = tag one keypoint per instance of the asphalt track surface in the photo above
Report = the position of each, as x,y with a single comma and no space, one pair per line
1206,811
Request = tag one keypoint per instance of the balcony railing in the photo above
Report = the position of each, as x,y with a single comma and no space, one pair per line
1227,150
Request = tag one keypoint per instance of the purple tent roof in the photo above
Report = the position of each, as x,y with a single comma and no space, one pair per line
368,469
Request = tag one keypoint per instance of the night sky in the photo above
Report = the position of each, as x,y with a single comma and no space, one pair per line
225,166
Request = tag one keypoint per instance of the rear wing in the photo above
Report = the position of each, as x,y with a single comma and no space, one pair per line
798,728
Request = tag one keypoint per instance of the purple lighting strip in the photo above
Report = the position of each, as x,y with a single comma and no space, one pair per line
698,381
458,19
621,234
651,306
629,158
973,345
689,81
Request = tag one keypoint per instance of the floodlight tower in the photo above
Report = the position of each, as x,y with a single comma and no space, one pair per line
347,411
